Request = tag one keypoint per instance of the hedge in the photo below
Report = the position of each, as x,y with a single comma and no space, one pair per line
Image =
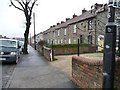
69,45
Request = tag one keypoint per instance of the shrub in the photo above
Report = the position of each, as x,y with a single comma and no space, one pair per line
41,43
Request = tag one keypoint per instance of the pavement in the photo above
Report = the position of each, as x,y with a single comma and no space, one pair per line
34,71
64,62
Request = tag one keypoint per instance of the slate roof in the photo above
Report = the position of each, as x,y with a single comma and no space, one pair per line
84,16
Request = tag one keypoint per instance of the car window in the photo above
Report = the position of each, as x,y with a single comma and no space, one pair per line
8,43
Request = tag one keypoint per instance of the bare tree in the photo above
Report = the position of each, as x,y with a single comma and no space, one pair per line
26,6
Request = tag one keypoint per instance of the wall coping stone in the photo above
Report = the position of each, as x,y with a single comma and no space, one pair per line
47,48
88,61
91,61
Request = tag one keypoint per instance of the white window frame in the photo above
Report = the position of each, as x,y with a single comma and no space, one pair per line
58,41
65,31
69,41
61,41
58,32
65,41
75,41
54,33
90,22
75,28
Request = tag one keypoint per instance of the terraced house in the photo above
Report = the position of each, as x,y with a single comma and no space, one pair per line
89,27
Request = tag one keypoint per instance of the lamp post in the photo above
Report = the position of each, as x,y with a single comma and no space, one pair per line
34,32
109,49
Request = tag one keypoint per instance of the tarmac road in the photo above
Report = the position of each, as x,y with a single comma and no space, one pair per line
7,70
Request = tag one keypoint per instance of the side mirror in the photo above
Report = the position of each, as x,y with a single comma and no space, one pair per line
19,47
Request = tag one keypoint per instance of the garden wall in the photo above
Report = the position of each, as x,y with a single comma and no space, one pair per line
73,50
117,74
87,73
68,50
46,52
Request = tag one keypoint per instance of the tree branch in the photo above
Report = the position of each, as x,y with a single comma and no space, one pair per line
21,4
15,6
32,7
29,1
29,8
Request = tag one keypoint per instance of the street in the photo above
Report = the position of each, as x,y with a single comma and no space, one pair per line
34,71
7,70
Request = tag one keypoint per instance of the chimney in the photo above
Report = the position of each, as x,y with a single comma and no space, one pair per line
51,26
74,15
58,23
83,11
97,6
67,19
54,25
105,7
62,21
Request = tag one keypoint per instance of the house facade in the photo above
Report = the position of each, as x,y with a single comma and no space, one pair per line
39,37
89,27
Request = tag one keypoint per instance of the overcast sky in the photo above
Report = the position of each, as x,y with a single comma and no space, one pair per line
48,12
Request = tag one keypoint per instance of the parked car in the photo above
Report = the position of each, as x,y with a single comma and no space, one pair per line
9,50
22,46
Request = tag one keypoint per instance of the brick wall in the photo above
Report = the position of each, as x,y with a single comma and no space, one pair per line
68,51
117,74
87,73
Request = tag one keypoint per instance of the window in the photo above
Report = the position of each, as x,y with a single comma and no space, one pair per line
81,38
51,41
75,28
58,32
61,41
89,39
69,41
8,43
54,33
90,25
58,42
48,40
65,41
65,31
74,41
55,41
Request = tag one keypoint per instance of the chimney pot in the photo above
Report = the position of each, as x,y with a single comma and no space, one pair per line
58,23
54,25
67,19
62,21
74,15
51,26
83,11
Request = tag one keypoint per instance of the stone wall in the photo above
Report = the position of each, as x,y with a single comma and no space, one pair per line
46,52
